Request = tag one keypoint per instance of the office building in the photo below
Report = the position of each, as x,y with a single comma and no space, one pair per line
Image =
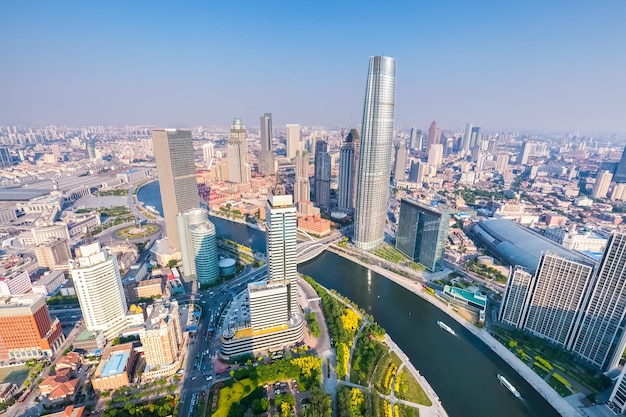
399,162
98,286
433,136
348,171
502,163
600,340
422,233
15,282
208,153
238,166
617,400
266,156
620,171
418,171
281,224
269,302
415,139
302,186
161,336
475,138
435,155
26,329
524,154
293,140
173,151
601,187
198,246
322,175
53,254
467,137
375,153
5,158
555,298
514,300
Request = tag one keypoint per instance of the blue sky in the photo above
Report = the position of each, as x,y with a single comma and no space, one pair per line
501,64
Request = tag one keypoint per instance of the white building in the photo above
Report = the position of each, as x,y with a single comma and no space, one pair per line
15,283
293,140
601,187
99,289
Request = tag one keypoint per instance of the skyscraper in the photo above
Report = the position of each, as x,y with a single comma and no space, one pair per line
522,157
502,163
293,140
399,162
415,139
322,175
375,153
601,187
475,137
173,151
514,301
467,137
302,186
620,172
208,152
5,158
600,340
91,149
198,246
238,167
266,156
99,289
422,233
348,171
161,335
418,171
433,135
281,223
435,155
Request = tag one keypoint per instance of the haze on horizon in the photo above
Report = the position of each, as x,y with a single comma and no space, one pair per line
528,65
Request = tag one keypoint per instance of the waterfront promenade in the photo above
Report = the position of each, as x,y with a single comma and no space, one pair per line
560,404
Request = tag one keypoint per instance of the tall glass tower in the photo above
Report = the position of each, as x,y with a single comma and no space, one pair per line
198,246
375,153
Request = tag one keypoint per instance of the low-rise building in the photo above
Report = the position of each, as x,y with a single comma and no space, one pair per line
91,342
70,411
53,254
315,225
117,369
49,283
62,386
150,288
15,283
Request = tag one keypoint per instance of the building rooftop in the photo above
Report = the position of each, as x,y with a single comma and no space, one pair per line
116,364
87,335
474,297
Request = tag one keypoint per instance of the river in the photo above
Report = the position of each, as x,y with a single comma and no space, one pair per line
461,369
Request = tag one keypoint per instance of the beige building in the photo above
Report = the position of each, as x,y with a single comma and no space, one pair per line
601,187
161,336
53,254
173,151
150,288
117,370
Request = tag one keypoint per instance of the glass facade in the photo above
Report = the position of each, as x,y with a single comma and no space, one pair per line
375,153
422,233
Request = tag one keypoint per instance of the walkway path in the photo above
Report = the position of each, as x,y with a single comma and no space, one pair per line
356,336
561,405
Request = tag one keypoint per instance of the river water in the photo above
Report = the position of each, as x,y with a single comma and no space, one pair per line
461,369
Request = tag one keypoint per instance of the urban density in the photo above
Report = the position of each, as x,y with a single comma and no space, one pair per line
245,267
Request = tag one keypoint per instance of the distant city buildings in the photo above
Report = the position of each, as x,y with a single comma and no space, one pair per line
302,185
348,171
399,162
266,155
238,166
435,155
433,136
322,175
601,187
173,151
422,233
375,153
293,140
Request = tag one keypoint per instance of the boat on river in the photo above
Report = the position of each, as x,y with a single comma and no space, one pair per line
509,386
445,327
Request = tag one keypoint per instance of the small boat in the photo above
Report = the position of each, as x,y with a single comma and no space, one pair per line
445,327
509,386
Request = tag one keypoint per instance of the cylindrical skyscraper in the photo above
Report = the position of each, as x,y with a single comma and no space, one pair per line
375,153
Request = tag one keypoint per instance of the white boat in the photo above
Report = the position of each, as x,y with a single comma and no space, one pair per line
445,327
509,386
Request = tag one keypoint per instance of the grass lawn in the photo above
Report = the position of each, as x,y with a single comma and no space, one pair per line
414,391
232,394
406,411
539,370
15,374
558,386
387,361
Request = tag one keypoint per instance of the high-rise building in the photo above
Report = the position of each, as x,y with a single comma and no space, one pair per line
161,335
302,186
467,137
617,400
208,152
522,158
56,152
620,171
26,329
269,304
348,171
601,187
293,140
375,153
5,158
555,298
322,175
418,171
399,162
99,289
514,301
53,254
238,166
435,155
15,282
173,151
433,135
415,139
266,156
281,223
91,149
601,338
422,233
475,138
198,246
502,163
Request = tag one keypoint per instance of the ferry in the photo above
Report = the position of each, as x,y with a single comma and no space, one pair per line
152,209
509,386
445,327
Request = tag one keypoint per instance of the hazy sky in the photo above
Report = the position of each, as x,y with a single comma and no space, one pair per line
500,64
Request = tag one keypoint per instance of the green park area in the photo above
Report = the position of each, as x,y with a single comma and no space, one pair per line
556,366
393,255
135,232
14,374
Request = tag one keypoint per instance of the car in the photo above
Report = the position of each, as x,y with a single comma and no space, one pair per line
193,378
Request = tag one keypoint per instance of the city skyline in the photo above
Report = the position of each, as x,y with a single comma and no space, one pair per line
509,78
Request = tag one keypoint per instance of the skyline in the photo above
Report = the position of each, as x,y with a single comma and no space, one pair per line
528,65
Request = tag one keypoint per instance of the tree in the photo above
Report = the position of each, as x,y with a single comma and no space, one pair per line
320,404
172,263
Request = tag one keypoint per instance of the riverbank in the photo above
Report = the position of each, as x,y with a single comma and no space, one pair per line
560,404
219,215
